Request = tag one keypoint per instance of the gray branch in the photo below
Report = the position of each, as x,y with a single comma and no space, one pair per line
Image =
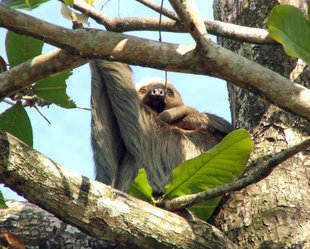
125,24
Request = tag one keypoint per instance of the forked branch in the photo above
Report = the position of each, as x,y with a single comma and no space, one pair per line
217,61
125,24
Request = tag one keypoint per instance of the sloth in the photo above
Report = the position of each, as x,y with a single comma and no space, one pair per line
166,101
144,126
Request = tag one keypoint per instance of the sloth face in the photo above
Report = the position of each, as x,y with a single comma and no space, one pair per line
155,96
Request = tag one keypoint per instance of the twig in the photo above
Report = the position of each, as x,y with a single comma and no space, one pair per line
34,101
30,101
35,107
97,15
160,17
159,9
83,108
103,5
259,173
9,102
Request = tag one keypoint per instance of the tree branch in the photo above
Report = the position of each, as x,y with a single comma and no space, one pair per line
192,20
25,219
36,69
259,173
158,9
95,208
125,24
218,61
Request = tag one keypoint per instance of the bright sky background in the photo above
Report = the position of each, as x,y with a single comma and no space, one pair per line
67,139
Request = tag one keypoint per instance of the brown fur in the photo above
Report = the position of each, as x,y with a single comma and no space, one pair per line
139,128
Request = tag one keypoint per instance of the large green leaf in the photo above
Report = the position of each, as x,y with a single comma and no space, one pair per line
140,187
20,48
53,89
288,26
217,167
23,4
15,120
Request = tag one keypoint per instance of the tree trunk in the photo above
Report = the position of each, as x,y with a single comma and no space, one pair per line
273,213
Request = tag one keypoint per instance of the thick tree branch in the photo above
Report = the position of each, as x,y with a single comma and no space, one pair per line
95,208
217,62
124,24
259,173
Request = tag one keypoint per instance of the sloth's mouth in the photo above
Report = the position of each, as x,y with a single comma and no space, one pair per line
157,105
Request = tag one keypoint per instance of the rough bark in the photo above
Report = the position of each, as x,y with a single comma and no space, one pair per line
40,229
275,212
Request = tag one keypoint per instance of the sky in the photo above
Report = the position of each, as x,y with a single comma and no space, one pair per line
67,140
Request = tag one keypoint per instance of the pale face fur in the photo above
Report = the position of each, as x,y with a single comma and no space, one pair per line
171,97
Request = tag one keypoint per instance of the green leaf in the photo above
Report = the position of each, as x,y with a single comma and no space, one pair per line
217,167
23,4
15,120
20,48
69,2
2,202
53,89
288,26
140,187
205,209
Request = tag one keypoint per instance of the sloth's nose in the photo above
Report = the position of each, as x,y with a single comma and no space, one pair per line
158,92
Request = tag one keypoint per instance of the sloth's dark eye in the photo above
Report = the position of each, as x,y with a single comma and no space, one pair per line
169,92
